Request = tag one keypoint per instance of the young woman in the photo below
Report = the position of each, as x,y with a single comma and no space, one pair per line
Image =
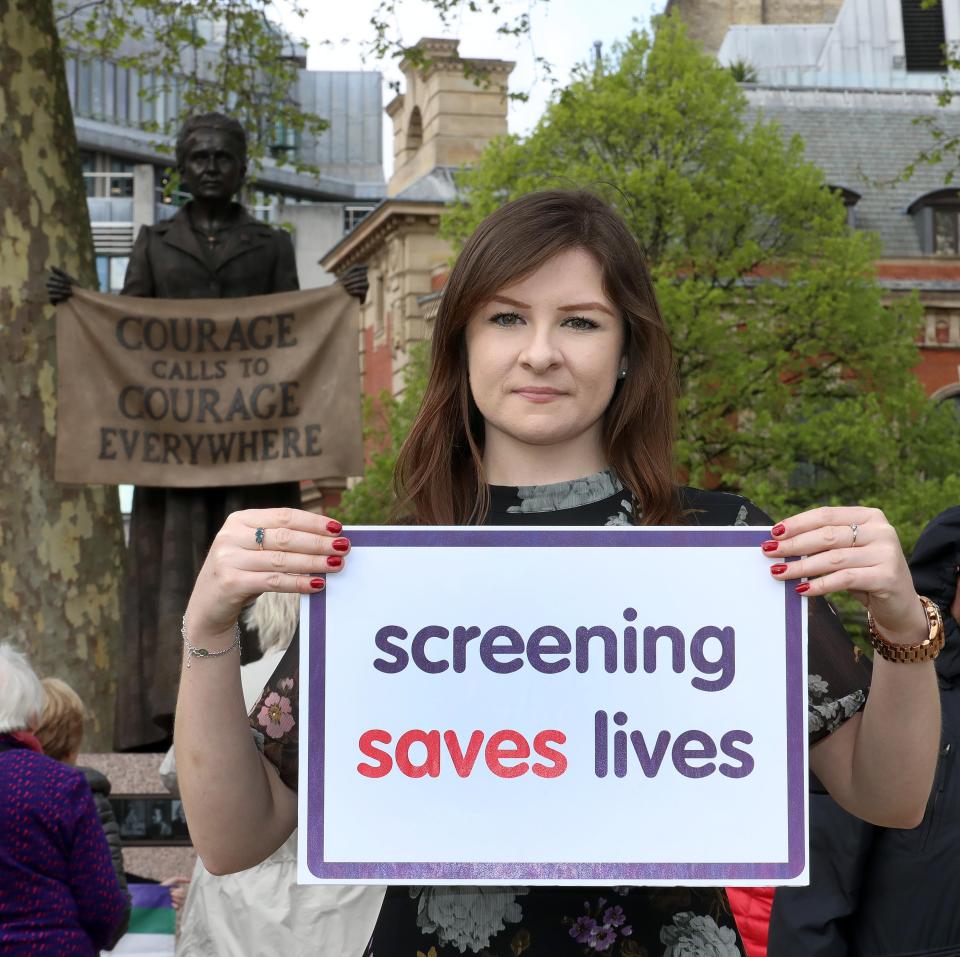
550,401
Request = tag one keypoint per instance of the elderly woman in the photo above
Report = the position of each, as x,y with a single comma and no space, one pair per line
58,892
60,733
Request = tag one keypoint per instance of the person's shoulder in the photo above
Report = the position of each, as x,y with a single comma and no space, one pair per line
99,783
710,507
259,228
31,765
161,228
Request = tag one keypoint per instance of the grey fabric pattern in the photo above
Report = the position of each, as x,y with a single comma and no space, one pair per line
557,495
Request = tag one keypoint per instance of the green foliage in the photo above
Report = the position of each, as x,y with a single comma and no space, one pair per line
796,381
387,420
743,71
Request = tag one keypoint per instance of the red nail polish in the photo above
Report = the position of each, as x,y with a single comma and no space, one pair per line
334,528
770,546
341,544
777,569
317,583
802,587
778,530
334,561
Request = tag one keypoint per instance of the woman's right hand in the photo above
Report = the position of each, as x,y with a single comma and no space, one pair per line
298,548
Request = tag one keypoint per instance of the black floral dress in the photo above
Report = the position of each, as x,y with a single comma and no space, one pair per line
558,921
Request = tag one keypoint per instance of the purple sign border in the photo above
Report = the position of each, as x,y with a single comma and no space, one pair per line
576,871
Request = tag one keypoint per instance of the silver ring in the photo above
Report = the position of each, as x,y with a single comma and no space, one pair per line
259,538
855,528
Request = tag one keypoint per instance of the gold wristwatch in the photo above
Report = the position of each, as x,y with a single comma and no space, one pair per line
926,650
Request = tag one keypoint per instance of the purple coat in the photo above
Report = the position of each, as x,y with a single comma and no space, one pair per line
58,891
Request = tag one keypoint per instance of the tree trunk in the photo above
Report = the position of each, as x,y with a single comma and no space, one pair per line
61,547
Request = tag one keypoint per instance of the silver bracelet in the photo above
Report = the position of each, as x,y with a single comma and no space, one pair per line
194,652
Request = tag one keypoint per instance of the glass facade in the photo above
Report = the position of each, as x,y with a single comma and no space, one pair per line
103,90
111,271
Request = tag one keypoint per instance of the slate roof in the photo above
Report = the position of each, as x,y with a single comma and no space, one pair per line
437,186
861,139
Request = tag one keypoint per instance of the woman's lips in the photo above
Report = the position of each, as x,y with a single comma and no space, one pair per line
538,394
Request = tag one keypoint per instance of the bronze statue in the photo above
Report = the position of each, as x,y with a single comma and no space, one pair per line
212,248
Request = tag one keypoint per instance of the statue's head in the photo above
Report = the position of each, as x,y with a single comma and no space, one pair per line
212,156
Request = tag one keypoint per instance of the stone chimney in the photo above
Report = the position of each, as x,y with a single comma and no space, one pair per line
450,111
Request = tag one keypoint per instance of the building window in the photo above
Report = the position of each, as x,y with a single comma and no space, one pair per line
945,239
83,87
263,205
111,271
924,37
415,130
354,215
850,200
937,217
166,200
948,396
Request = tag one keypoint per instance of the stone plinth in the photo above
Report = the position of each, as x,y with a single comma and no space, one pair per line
139,774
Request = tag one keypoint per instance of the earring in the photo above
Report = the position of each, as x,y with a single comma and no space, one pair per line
622,374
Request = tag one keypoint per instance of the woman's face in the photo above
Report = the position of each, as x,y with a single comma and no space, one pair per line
543,357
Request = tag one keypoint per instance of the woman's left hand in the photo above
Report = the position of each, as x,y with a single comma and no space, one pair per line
851,549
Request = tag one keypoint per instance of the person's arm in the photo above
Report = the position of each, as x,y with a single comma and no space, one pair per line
879,764
103,908
285,277
108,821
816,919
138,280
238,809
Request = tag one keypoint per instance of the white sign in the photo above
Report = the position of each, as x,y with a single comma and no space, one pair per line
553,705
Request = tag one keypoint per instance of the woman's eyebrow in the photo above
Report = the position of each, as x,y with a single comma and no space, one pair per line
573,307
507,301
586,306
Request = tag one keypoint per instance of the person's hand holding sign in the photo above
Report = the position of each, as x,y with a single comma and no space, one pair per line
258,550
856,550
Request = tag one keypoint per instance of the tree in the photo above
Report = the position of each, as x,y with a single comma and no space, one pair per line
62,546
795,375
387,421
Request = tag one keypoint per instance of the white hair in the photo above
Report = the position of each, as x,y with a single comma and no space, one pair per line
21,694
275,617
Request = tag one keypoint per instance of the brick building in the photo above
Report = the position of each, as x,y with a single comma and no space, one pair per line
856,91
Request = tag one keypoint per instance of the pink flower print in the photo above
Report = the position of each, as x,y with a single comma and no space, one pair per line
275,715
286,685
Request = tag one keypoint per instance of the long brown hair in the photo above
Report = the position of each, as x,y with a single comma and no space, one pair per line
439,475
